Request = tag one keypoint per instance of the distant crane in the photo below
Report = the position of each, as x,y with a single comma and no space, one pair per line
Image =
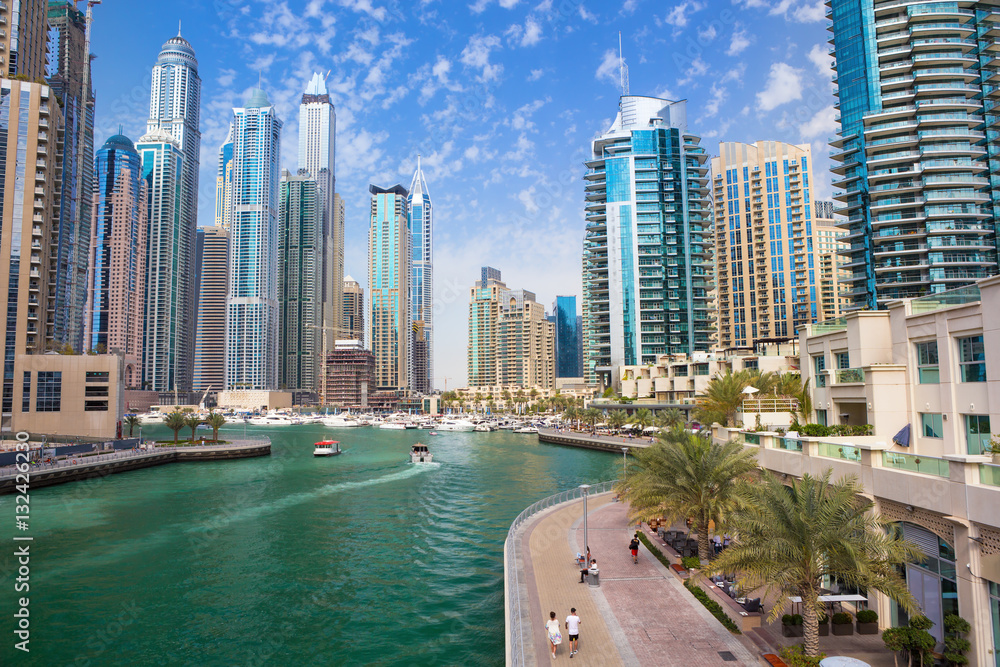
201,403
446,382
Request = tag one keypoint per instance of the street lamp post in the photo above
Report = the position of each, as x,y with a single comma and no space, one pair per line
624,463
586,542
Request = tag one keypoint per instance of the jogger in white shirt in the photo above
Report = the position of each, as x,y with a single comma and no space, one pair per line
573,630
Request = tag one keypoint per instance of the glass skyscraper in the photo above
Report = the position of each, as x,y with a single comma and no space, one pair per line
569,359
422,281
224,183
117,277
389,257
647,250
916,152
252,307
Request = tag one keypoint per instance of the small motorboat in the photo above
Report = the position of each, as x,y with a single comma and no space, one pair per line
526,429
420,454
433,433
326,448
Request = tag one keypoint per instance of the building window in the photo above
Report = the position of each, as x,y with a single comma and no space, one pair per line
977,433
26,392
972,359
821,417
680,371
819,365
95,406
927,362
843,359
701,369
48,391
97,376
750,365
931,425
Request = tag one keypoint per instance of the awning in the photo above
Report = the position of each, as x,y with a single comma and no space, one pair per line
903,437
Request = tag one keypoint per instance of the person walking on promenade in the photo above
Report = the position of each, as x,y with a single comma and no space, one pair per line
634,548
573,630
552,630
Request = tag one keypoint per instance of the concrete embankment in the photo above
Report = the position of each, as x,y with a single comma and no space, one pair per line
71,470
587,441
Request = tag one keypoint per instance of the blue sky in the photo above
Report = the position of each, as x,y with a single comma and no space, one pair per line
500,97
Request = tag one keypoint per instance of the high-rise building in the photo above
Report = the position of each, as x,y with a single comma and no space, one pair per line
224,183
252,307
647,251
422,281
23,39
823,209
174,108
68,73
832,253
354,310
213,287
390,323
511,342
915,160
317,158
117,277
767,242
350,374
300,285
164,361
30,146
569,354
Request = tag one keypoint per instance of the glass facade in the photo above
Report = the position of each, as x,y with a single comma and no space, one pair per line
977,433
569,360
421,223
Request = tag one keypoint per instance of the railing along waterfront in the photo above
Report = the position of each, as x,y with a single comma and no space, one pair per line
71,460
989,474
518,619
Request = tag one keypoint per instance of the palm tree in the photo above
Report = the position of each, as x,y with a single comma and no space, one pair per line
791,538
519,399
670,419
571,414
617,419
506,399
175,422
723,397
642,418
132,421
805,402
192,421
216,420
591,415
684,476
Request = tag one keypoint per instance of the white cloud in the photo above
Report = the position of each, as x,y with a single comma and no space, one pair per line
365,7
587,16
784,84
715,101
527,197
680,15
820,57
476,54
226,77
536,74
532,33
707,34
802,11
739,42
608,69
697,68
823,124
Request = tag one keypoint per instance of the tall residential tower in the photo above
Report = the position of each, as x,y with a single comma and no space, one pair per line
422,281
389,257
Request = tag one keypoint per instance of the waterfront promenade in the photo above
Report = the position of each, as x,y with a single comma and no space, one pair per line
639,615
584,439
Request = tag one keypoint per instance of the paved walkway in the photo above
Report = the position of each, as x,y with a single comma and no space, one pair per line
641,614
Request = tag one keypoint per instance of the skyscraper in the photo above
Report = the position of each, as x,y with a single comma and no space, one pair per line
224,183
647,266
354,310
767,242
68,73
252,307
300,290
916,147
213,287
422,281
117,277
317,158
569,355
511,343
23,39
174,108
165,363
389,253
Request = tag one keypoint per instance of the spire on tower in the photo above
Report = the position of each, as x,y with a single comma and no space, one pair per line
178,27
622,67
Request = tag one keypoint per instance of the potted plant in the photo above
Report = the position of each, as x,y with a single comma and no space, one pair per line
843,624
824,625
791,625
993,449
867,622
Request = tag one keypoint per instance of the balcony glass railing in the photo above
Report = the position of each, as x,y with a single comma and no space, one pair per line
832,450
788,444
849,375
989,474
751,438
925,465
829,326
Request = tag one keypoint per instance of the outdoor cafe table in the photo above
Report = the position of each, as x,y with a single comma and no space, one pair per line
795,599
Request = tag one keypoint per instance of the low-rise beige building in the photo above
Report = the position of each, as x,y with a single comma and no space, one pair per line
254,399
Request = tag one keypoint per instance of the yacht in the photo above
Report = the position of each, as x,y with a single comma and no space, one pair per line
456,425
420,454
393,426
339,421
526,429
482,428
326,448
270,420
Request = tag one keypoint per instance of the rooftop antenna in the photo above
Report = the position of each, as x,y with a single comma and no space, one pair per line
418,161
178,27
622,67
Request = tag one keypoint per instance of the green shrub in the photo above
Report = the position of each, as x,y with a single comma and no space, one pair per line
955,644
842,618
795,656
815,431
712,606
691,562
867,616
656,552
786,619
796,619
824,619
792,619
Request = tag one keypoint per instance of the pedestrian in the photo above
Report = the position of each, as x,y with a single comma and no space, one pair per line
717,544
634,548
573,630
583,566
552,629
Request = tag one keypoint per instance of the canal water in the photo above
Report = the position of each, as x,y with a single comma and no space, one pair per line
357,559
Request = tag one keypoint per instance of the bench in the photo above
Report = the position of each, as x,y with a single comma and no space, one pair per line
679,569
772,660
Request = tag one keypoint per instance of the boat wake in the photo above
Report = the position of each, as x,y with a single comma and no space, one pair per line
225,520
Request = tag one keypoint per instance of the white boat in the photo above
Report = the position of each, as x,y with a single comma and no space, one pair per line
270,420
526,429
456,425
326,448
420,454
151,418
482,428
393,426
339,421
